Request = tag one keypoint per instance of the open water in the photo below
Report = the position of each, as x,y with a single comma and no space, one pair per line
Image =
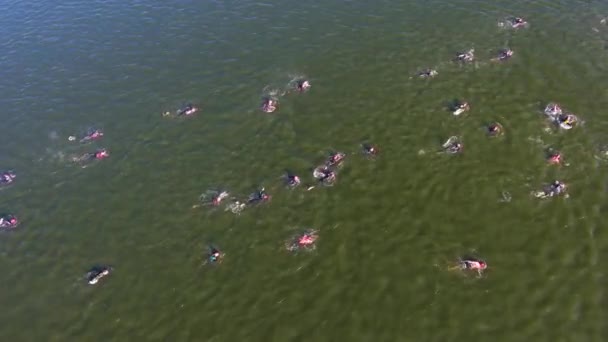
389,229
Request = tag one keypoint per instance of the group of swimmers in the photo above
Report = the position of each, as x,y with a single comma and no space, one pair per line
325,174
553,111
91,135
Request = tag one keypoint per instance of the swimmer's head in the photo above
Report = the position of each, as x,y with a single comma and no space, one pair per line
101,154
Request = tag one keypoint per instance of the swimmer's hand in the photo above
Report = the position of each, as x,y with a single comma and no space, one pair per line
71,138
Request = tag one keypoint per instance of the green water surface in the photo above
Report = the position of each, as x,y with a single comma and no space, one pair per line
389,229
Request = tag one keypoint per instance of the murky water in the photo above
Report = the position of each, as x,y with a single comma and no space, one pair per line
389,228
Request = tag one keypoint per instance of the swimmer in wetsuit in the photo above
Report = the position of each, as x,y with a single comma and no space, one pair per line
428,73
259,196
453,145
466,56
7,177
214,255
473,264
303,85
97,155
503,55
554,157
306,240
458,107
567,121
554,189
186,110
494,129
269,105
96,273
92,134
335,158
369,150
553,110
292,180
8,221
324,175
517,22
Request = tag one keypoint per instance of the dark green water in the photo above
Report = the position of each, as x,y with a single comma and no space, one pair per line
388,230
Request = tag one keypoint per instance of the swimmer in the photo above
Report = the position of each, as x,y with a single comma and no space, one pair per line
92,134
217,199
567,121
335,159
303,85
306,240
494,129
466,57
97,155
428,73
453,145
554,157
553,110
517,22
292,180
554,189
7,177
236,207
369,150
324,175
269,105
259,196
96,273
187,110
8,221
473,264
458,107
503,55
214,255
213,197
